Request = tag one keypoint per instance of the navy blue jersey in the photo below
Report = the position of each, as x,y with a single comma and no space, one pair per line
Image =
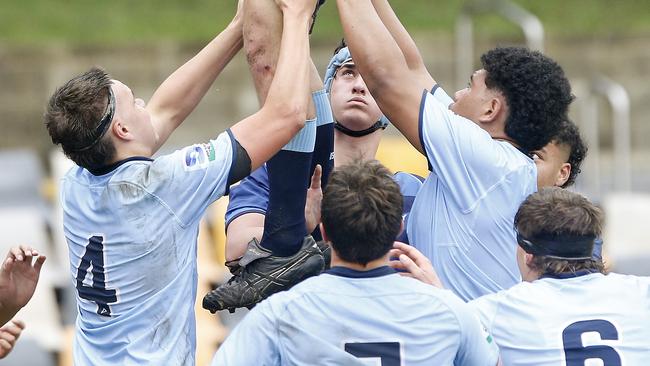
251,195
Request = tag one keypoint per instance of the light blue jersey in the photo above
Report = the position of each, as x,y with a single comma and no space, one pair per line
462,217
567,321
132,231
347,317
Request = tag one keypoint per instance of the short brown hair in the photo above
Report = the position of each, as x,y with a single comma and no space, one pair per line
557,211
72,115
362,211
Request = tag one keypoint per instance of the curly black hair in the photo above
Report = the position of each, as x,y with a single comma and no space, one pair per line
537,92
569,135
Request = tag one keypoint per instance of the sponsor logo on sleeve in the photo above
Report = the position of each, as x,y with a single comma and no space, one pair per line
210,151
196,157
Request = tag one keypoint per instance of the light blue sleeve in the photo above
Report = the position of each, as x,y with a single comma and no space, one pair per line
462,155
441,96
253,341
324,113
477,347
486,308
190,179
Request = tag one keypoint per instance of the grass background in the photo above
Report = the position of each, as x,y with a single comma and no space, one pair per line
118,22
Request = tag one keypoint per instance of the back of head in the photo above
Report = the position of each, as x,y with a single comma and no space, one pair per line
362,211
569,136
537,92
73,117
564,220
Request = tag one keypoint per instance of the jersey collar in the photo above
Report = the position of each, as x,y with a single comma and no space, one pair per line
565,275
353,273
111,167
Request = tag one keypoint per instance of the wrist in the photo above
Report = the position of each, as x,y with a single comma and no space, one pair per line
236,24
296,18
293,9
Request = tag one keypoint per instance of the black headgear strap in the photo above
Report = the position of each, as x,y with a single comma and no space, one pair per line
361,133
101,128
565,247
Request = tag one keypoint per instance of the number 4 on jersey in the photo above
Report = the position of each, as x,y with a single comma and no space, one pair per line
98,292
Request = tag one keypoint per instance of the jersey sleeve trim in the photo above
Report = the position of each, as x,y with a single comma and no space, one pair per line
243,212
421,127
233,162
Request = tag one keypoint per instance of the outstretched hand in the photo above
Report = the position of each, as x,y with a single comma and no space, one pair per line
9,334
18,278
314,199
412,263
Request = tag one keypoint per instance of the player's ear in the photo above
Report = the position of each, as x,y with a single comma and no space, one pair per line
323,232
492,109
563,174
120,129
528,259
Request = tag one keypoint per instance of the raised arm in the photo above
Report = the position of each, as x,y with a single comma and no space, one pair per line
397,89
285,108
404,41
179,94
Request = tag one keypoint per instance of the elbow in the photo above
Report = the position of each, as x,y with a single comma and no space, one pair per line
291,116
294,115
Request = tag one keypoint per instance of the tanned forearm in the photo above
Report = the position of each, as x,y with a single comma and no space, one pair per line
404,41
394,85
179,94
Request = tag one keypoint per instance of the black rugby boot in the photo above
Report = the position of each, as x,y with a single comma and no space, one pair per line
263,274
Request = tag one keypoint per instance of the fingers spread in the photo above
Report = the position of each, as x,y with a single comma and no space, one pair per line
8,264
16,253
7,336
19,323
5,346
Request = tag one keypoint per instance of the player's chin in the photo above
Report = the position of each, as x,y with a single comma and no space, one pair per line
357,118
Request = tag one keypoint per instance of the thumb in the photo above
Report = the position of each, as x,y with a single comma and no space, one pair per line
316,177
39,263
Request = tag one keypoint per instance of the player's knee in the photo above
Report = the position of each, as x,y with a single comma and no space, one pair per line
259,59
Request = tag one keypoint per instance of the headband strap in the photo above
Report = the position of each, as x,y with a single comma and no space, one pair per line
378,125
101,128
565,247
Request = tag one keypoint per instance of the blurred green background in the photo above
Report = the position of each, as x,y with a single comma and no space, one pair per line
86,22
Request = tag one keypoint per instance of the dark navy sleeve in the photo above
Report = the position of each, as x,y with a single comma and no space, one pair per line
409,185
